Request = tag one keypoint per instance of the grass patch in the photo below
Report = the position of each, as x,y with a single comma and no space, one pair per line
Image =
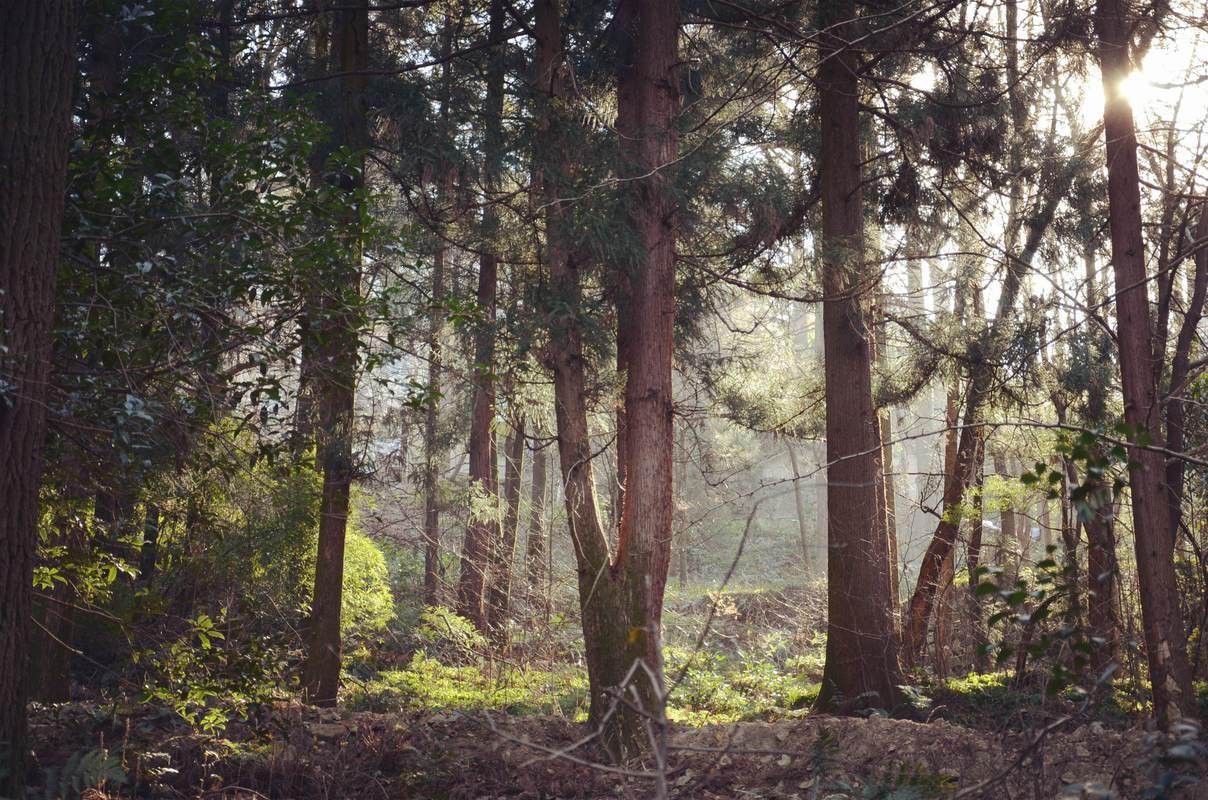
429,685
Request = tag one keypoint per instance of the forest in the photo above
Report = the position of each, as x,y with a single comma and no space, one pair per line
793,399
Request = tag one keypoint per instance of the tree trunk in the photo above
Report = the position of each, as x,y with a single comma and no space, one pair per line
482,533
1176,413
799,504
36,72
1165,641
433,452
336,358
644,540
621,598
1101,567
603,626
499,594
862,666
535,542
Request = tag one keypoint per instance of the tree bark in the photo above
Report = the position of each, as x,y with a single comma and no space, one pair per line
483,531
862,667
37,43
644,540
336,359
621,597
1165,641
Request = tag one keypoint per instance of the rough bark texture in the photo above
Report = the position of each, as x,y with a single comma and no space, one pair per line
644,541
1165,641
36,68
621,597
335,363
483,531
862,667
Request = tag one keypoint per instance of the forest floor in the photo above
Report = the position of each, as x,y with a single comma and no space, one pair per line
290,751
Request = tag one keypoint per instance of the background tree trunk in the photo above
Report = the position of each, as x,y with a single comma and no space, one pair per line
499,594
535,542
483,531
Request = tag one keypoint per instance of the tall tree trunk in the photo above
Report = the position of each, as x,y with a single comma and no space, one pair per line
1165,641
499,592
861,645
336,359
621,598
483,531
535,542
974,556
603,626
1101,566
644,540
433,452
36,72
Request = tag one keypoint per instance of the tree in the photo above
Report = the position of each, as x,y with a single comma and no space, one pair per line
336,331
861,645
1165,640
37,44
620,593
482,532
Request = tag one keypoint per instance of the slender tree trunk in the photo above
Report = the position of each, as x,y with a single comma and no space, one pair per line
1176,413
861,645
799,504
535,542
1165,641
483,531
1101,567
336,360
433,452
974,558
499,594
37,42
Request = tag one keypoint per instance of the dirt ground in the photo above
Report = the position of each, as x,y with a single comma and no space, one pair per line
295,752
